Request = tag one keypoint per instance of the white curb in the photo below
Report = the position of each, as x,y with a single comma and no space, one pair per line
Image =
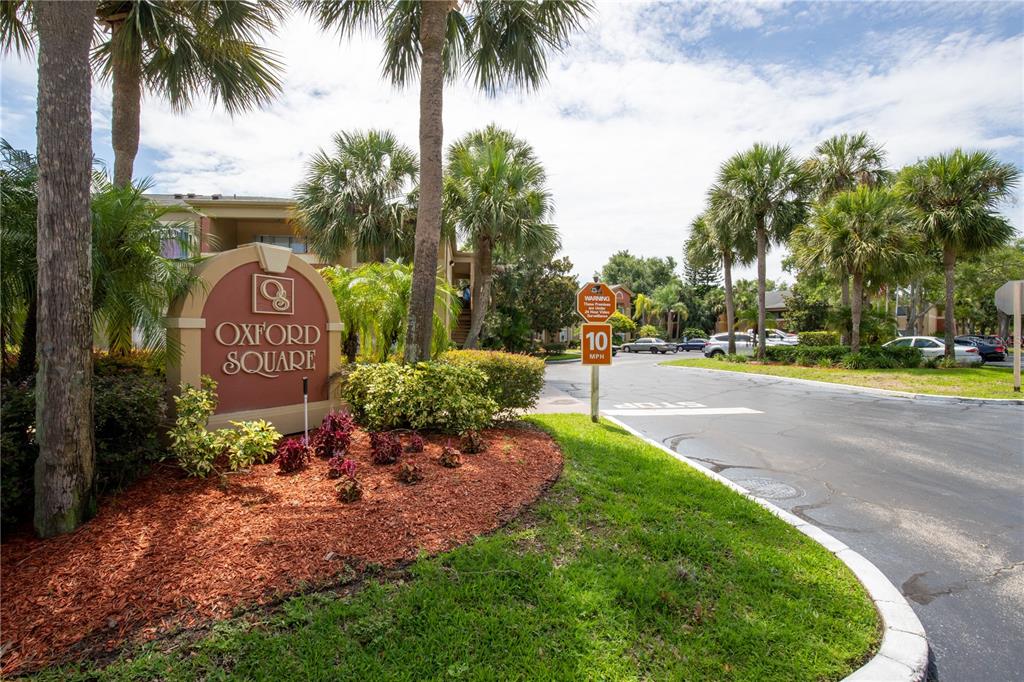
562,362
924,397
903,655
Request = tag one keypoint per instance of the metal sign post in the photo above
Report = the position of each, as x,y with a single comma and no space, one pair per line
595,303
305,410
1008,301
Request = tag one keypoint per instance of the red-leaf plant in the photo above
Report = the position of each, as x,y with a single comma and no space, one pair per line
416,443
348,488
473,442
292,455
385,448
334,435
450,457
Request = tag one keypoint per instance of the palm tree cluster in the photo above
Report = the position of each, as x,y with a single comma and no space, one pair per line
211,48
847,217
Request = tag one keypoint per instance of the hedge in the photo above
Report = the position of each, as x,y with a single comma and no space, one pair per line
818,338
129,413
869,357
514,382
437,396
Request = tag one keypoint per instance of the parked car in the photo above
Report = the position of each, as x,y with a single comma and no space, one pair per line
990,347
649,345
691,344
718,344
933,347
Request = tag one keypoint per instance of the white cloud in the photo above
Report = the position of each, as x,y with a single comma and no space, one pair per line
631,130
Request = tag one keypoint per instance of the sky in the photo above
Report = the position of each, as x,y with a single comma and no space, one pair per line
637,114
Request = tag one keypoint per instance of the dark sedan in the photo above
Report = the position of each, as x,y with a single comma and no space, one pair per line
988,348
692,344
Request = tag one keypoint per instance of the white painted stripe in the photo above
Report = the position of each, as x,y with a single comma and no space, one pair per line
680,411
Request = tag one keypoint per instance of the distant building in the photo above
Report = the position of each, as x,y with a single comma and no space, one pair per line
775,307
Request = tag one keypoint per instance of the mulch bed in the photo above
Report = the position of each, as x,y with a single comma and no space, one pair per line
174,552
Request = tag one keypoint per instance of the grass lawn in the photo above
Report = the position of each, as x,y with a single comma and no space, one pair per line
570,355
631,567
977,382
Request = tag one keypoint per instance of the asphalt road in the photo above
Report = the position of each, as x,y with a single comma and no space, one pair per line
932,493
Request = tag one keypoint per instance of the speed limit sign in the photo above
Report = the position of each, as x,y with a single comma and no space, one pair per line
596,343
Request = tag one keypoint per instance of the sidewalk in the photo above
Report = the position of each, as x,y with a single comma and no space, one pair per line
555,401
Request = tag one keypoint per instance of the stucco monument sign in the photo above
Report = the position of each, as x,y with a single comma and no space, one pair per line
258,321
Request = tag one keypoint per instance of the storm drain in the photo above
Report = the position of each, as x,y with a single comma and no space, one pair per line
770,489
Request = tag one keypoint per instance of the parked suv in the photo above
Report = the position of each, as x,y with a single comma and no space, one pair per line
718,344
650,345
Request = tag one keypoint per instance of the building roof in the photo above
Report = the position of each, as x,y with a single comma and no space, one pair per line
775,300
189,199
622,287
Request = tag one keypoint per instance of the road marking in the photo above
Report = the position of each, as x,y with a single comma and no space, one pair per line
680,411
655,406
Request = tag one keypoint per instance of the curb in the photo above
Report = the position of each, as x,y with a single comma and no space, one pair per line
903,654
562,362
884,392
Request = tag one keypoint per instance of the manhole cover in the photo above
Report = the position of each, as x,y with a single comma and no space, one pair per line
770,489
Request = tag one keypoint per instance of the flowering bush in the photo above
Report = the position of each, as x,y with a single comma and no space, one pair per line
292,455
415,443
348,488
473,442
385,448
334,435
410,473
450,457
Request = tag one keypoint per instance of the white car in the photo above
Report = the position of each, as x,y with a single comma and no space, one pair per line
933,347
718,344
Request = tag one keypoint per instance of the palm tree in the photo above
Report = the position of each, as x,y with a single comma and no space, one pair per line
19,175
496,195
133,282
842,163
176,50
65,466
495,44
373,299
643,307
666,302
955,197
717,235
864,232
359,197
767,189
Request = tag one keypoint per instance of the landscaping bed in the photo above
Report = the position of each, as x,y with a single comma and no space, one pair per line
174,552
962,382
631,566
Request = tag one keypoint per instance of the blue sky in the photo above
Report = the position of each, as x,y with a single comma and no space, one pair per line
638,113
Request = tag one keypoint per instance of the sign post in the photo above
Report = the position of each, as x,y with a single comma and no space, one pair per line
1008,301
595,303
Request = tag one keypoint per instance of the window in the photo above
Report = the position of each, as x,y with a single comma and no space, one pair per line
175,245
296,244
925,343
745,338
901,343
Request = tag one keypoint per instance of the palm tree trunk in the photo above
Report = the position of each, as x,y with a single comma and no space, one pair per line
762,247
27,355
420,330
481,291
949,264
855,311
126,63
844,301
730,305
351,345
64,468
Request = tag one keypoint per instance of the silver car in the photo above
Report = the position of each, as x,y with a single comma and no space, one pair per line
934,347
649,345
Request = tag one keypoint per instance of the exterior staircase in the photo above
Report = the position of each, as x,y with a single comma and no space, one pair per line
461,330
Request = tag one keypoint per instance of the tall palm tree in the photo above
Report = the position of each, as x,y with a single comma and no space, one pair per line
864,232
955,197
842,163
19,176
717,235
497,198
767,189
358,196
643,308
65,466
176,50
494,44
666,300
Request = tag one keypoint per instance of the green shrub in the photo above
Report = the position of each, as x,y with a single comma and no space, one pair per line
514,382
869,357
250,442
129,414
194,447
818,338
554,348
648,330
694,333
440,396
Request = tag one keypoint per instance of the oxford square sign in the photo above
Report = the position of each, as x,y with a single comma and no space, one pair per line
258,321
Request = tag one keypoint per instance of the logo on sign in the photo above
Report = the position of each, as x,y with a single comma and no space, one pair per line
273,295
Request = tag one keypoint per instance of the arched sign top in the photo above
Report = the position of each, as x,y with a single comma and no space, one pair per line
262,323
595,302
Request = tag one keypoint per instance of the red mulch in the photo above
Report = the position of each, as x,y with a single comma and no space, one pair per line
174,552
